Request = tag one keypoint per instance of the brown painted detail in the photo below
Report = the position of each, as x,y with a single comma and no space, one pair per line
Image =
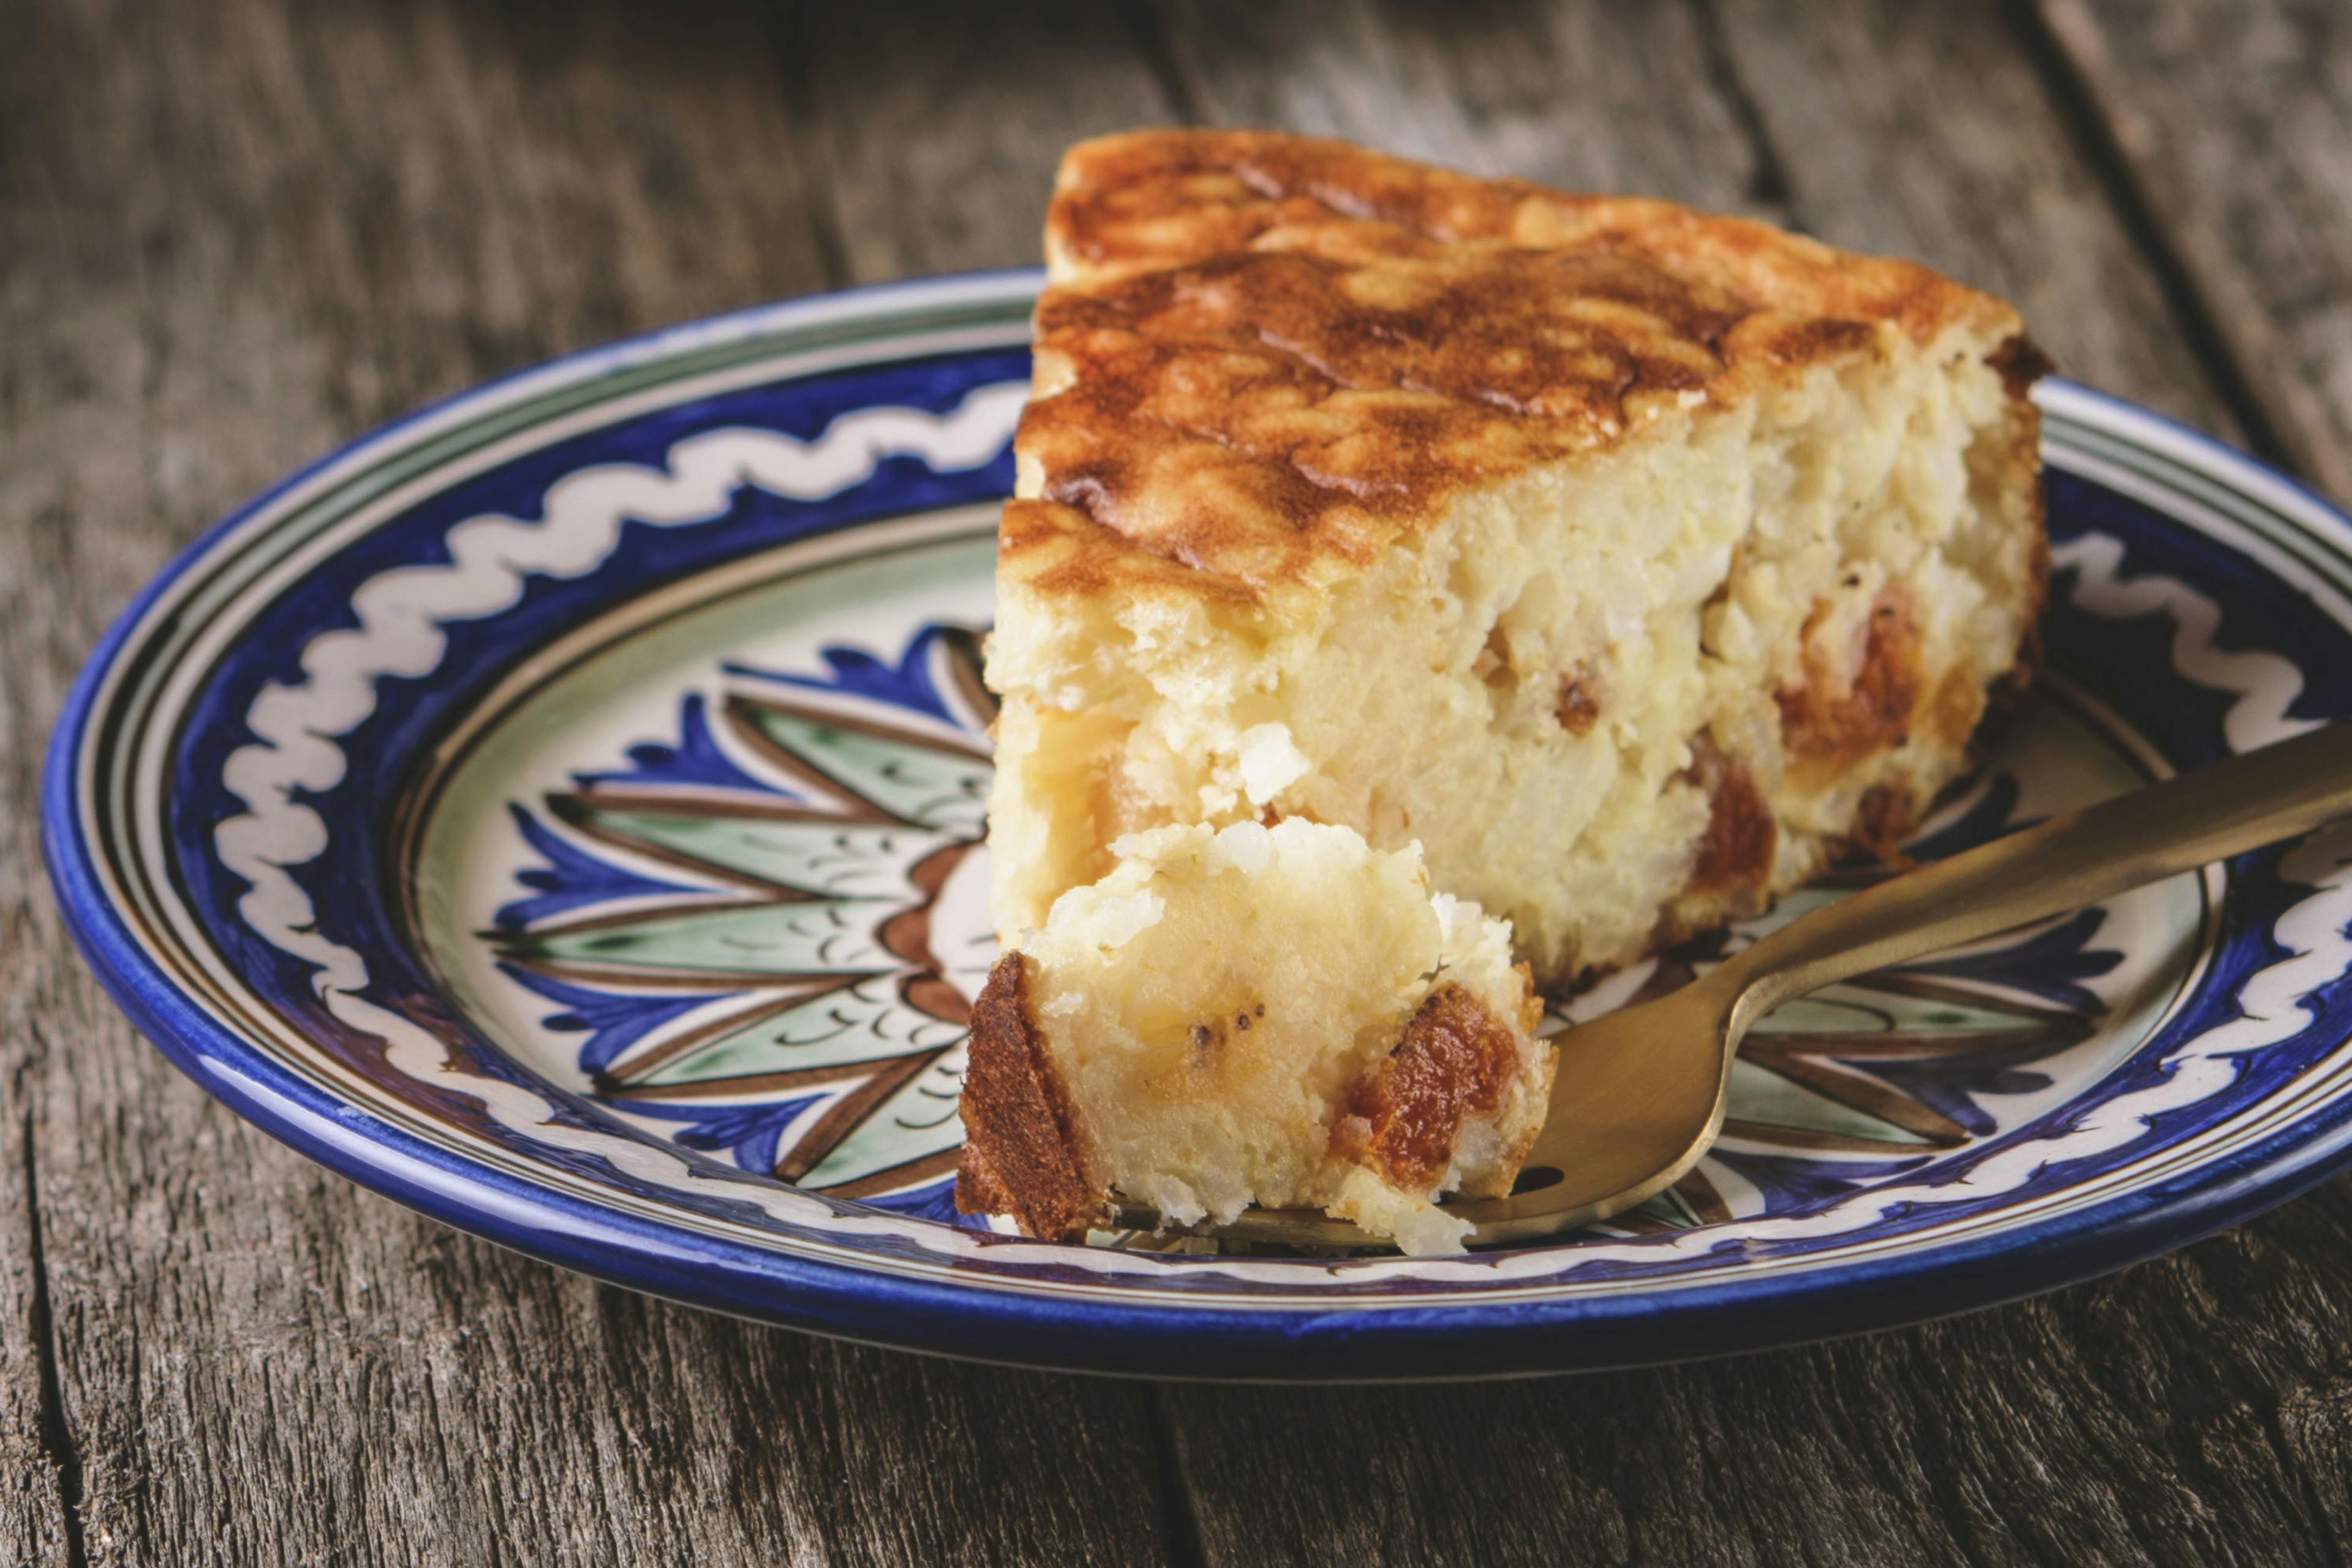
908,934
1019,1131
845,1113
674,980
1705,1203
1808,1060
742,712
1455,1058
1736,856
619,1079
940,998
751,1083
928,1167
1810,1138
1634,1222
930,873
2045,1022
965,660
584,815
1823,1062
1578,707
1832,718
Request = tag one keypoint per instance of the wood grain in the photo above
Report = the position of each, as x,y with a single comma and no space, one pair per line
1925,131
2189,1411
1584,97
37,1482
2234,125
313,218
938,123
232,236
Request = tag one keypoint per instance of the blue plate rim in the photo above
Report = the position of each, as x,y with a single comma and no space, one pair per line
1332,1342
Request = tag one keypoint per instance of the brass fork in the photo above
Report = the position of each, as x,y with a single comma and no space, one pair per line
1640,1093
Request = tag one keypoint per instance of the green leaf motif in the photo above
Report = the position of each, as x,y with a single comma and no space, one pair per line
850,1026
894,773
744,941
1881,1008
821,955
823,856
916,1120
1768,1098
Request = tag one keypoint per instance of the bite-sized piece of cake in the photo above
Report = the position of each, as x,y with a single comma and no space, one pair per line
1633,561
1284,1015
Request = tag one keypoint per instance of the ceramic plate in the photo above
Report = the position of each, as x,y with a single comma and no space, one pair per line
563,812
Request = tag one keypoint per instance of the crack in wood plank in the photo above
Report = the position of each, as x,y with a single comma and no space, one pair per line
2232,128
56,1439
2063,75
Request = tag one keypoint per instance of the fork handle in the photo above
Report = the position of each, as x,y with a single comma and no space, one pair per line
2066,863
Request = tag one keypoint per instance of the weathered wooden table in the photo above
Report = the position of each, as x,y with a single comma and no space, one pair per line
234,233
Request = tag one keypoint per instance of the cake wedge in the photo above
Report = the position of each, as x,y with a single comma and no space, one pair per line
1627,564
1631,561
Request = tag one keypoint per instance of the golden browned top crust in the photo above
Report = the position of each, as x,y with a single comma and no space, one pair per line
1020,1152
1261,358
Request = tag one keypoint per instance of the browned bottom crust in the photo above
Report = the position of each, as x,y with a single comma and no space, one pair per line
1022,1155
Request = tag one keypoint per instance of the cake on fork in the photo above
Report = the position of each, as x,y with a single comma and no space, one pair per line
1618,563
1282,1015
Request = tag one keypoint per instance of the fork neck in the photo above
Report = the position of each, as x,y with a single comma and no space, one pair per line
2066,863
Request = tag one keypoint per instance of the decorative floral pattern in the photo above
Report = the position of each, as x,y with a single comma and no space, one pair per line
741,920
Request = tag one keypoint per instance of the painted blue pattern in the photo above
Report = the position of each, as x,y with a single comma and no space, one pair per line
585,881
2051,964
570,879
909,683
1793,1184
748,1133
613,1020
694,758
